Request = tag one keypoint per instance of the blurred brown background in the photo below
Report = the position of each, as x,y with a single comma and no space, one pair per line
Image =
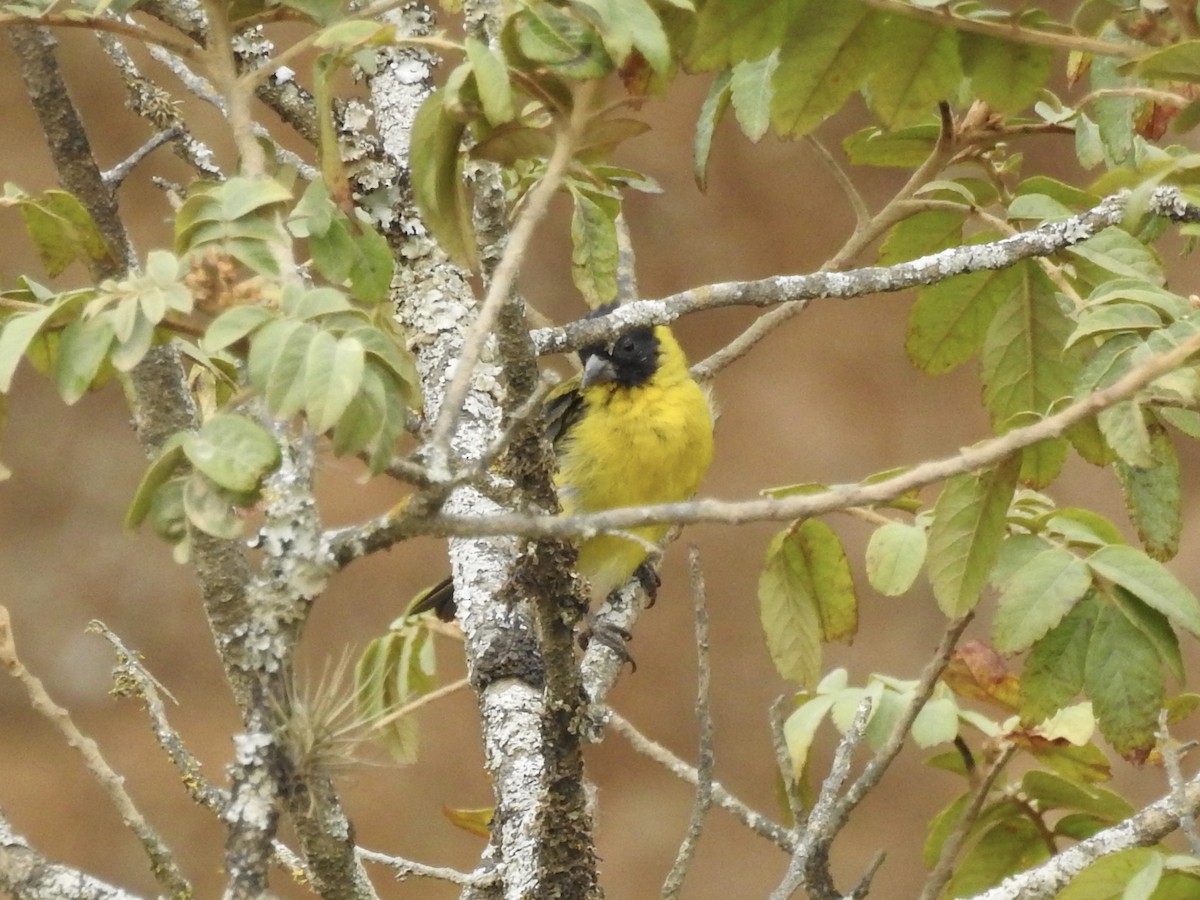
830,397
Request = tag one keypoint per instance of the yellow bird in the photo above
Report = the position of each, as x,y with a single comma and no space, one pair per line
633,429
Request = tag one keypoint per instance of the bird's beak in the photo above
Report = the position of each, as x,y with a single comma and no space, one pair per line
598,370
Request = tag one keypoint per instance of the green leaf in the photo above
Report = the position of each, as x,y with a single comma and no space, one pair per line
373,266
752,93
63,230
16,334
1114,114
1149,581
233,325
594,251
941,828
169,459
968,526
491,79
895,555
916,66
628,25
1154,496
1123,679
922,234
1052,791
729,31
394,670
1036,598
1154,625
1054,671
82,350
437,182
1124,428
1178,62
563,42
1012,845
286,383
1108,876
1024,368
788,611
1115,251
711,111
1187,421
822,64
1007,75
210,509
129,352
1114,317
800,728
233,451
936,723
333,372
950,319
905,148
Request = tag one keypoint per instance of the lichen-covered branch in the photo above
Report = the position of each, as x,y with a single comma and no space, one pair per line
27,875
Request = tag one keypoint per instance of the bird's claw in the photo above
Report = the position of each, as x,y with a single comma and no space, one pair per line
647,576
606,634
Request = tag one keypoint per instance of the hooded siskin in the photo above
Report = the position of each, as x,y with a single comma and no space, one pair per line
633,429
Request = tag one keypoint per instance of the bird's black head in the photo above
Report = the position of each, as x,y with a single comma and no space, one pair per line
629,361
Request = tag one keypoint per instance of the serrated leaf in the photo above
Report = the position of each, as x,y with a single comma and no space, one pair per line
233,325
82,350
788,611
491,79
968,526
1054,671
1186,421
233,451
1178,62
594,250
333,371
16,334
919,68
716,101
1007,75
1024,366
728,31
1154,625
895,555
62,230
752,93
1113,113
1150,581
373,267
948,322
437,183
1123,679
1124,428
1154,496
822,64
564,43
1036,598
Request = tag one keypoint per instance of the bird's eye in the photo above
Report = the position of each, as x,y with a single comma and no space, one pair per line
625,346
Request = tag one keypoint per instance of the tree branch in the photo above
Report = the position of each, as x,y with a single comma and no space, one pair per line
27,875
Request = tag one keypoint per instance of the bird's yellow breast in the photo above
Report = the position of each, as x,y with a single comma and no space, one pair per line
631,447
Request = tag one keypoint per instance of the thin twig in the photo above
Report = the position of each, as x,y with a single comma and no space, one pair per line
1169,748
743,812
673,883
809,865
954,841
104,23
162,862
862,215
783,761
118,173
405,868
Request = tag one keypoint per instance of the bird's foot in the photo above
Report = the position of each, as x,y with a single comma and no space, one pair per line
647,576
606,634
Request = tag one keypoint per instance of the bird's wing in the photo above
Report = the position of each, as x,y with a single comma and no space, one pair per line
562,410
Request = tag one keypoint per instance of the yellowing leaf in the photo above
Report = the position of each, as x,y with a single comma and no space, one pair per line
438,188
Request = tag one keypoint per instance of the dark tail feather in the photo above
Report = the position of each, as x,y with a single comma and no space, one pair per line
439,598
